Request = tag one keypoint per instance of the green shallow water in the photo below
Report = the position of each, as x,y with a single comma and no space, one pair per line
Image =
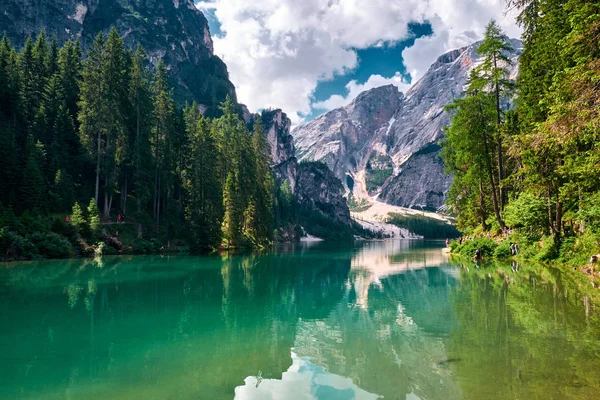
392,320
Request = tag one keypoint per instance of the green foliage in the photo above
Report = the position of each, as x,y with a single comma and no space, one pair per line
77,219
142,246
503,250
50,244
379,168
549,249
320,226
14,245
526,211
429,228
358,205
550,137
485,245
93,217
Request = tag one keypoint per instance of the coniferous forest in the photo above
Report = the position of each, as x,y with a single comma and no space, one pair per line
93,146
526,155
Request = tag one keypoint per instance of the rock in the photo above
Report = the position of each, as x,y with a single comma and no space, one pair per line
383,127
283,153
318,189
414,189
172,30
345,138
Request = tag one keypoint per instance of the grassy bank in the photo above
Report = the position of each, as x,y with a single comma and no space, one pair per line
570,251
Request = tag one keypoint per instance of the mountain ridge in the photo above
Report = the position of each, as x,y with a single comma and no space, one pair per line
172,30
367,153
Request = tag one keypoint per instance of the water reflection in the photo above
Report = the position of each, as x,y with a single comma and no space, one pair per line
392,319
303,380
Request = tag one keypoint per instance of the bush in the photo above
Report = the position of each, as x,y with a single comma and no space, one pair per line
503,250
14,245
142,246
549,249
486,246
52,245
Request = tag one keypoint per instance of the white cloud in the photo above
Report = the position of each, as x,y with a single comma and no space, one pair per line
354,89
278,50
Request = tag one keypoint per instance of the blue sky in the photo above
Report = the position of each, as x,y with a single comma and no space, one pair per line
383,59
310,56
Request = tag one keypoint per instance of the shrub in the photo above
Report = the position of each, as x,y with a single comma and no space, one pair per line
142,246
12,244
503,250
549,249
486,246
52,245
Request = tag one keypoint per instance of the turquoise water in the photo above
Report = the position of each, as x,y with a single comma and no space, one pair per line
392,320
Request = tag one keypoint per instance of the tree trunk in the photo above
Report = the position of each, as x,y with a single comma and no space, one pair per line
482,206
106,213
158,208
97,170
498,124
558,218
123,198
110,199
491,174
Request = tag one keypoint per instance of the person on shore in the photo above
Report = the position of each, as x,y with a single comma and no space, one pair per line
118,218
67,219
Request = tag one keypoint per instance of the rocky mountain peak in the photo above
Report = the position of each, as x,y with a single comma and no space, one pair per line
172,30
368,143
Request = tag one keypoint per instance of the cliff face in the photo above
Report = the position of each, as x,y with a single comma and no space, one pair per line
172,30
283,153
370,143
314,185
345,138
318,189
414,189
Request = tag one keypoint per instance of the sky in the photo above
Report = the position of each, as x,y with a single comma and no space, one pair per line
310,56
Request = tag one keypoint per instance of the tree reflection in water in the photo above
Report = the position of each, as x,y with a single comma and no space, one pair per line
392,319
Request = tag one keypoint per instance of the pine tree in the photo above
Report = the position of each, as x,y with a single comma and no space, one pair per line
494,72
232,220
162,132
33,190
94,110
204,205
140,126
264,186
63,191
69,70
93,218
77,219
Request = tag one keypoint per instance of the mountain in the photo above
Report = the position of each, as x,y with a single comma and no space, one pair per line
381,143
313,184
178,33
174,30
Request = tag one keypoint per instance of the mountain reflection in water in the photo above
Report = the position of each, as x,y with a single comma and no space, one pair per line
392,319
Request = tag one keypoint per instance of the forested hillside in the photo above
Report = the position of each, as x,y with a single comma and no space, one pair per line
528,156
100,139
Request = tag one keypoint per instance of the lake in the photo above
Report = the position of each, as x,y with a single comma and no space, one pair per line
392,320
